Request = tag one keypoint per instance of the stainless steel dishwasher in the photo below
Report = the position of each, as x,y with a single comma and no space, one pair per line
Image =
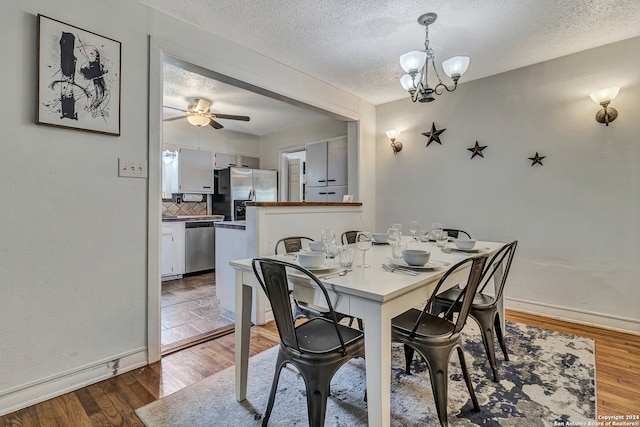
200,246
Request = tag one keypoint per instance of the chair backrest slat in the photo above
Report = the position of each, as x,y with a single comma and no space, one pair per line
348,237
291,244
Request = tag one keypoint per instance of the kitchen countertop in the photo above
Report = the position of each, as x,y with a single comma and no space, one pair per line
303,203
236,225
183,218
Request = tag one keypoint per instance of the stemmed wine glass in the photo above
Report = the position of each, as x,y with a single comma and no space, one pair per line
413,227
363,242
393,237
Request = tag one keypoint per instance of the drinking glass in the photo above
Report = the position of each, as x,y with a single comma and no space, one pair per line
363,242
393,237
436,228
399,227
345,255
442,237
328,236
413,227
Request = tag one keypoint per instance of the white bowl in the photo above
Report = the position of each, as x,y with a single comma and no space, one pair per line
464,243
311,259
416,257
380,237
316,246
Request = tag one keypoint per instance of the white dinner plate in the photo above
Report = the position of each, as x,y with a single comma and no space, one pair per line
399,262
472,250
323,268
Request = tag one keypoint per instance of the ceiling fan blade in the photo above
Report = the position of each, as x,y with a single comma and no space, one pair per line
231,117
170,119
215,124
174,108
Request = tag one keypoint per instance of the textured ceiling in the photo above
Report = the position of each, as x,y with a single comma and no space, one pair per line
182,83
355,44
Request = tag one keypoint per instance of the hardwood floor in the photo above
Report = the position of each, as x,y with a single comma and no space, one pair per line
112,402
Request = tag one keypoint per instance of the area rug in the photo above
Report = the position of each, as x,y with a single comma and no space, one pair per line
548,380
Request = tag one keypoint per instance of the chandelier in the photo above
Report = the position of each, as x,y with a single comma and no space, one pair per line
416,65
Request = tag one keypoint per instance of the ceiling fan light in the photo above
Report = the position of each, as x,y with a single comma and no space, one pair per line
413,61
456,66
198,120
410,83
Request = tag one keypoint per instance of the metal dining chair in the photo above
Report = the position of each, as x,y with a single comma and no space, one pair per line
435,337
303,309
317,348
291,244
348,237
484,307
452,232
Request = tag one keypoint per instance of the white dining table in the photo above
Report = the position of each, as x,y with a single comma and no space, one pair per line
372,294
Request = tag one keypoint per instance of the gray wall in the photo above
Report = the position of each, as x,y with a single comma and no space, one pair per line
576,217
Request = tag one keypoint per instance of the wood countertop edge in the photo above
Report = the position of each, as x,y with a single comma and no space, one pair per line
309,204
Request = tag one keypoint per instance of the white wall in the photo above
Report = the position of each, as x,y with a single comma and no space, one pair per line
79,263
576,217
272,145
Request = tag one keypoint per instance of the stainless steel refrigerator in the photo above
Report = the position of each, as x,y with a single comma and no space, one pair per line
235,186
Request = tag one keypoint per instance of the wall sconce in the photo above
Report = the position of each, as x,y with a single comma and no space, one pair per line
393,136
604,97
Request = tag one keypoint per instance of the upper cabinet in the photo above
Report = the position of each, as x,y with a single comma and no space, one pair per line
326,163
250,162
326,169
225,160
195,171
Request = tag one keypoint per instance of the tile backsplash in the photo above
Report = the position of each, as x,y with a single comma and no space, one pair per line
170,207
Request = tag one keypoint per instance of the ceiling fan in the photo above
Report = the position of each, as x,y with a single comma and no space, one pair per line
199,114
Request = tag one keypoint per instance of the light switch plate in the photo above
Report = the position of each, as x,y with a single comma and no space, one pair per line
132,168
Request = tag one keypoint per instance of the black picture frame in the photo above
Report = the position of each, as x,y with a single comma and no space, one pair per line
79,78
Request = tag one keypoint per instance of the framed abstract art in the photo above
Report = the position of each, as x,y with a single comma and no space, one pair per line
78,78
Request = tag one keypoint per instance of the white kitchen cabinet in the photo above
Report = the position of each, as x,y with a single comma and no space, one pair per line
249,162
326,194
172,265
226,160
326,163
195,171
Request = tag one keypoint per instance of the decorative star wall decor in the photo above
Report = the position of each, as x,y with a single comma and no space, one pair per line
537,159
477,150
434,134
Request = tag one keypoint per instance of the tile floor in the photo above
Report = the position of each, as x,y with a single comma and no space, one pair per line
190,308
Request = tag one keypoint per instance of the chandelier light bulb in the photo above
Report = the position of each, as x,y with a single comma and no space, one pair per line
455,67
413,61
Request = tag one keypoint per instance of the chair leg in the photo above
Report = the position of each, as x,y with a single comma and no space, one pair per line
274,386
485,320
438,370
465,374
500,335
408,358
318,383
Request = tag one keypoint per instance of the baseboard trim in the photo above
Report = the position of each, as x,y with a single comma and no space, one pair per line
25,395
573,315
